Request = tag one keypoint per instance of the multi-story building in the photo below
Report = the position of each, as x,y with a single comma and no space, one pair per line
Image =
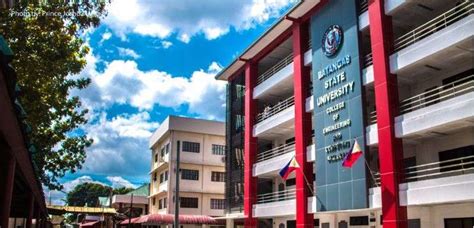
201,146
395,76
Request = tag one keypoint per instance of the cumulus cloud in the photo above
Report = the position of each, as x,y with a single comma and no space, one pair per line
166,44
105,36
127,52
58,197
186,18
119,182
120,145
122,82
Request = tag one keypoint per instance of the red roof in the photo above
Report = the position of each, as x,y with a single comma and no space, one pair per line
169,219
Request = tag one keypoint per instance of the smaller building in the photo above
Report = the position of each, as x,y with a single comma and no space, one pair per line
201,144
137,200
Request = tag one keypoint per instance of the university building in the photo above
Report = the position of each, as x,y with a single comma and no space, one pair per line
201,146
394,76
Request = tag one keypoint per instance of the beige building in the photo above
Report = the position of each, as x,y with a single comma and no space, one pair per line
201,144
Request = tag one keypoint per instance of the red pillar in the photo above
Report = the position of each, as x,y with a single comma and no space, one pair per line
386,100
6,190
301,79
250,146
31,209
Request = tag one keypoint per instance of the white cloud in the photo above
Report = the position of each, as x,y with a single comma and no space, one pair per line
166,44
59,197
119,182
120,145
127,52
121,82
187,18
105,36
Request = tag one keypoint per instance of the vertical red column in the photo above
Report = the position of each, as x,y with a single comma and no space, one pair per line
250,145
386,100
6,190
301,79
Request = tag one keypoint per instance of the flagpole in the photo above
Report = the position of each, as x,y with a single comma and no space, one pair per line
307,182
370,171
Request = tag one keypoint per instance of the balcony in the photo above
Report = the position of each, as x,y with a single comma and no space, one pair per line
450,106
452,32
281,203
437,182
158,188
276,79
278,119
271,161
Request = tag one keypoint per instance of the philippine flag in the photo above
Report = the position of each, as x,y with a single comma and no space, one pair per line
352,156
288,168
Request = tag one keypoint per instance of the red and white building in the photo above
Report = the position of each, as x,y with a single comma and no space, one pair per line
417,88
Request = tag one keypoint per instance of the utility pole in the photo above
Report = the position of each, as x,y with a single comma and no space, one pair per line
130,212
176,190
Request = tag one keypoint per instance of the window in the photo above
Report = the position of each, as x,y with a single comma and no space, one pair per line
167,148
154,177
153,201
188,202
165,203
290,182
458,222
218,149
359,220
160,204
189,174
217,203
192,147
162,152
156,157
456,159
166,176
162,178
218,176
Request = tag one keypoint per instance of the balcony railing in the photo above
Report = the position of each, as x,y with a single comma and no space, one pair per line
275,109
274,69
364,6
444,20
275,152
368,60
438,94
276,196
447,168
433,96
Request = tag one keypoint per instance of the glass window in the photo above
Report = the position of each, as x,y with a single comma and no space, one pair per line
218,149
188,202
191,147
218,176
189,174
166,176
217,203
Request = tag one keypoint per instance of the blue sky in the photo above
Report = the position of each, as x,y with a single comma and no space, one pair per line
150,59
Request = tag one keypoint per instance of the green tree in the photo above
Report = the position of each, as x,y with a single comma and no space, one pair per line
87,194
48,49
122,191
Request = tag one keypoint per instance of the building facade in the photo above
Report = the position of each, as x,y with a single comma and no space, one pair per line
201,144
395,77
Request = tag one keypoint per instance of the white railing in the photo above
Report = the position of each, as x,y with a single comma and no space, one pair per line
368,60
364,6
275,109
444,20
452,167
274,69
373,117
275,152
447,168
276,196
435,95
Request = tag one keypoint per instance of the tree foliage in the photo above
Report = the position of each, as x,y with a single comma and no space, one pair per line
48,50
87,194
122,190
